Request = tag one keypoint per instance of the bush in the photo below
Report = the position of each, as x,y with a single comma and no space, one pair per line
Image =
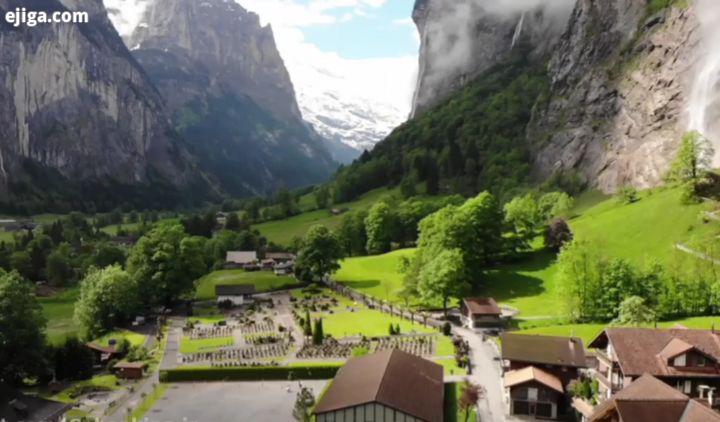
250,373
447,329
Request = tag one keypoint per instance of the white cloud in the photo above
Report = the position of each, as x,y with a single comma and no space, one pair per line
387,82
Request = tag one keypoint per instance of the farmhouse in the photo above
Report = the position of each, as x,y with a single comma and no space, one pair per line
562,357
237,294
386,386
536,370
479,312
284,268
240,259
649,399
533,392
103,353
280,256
16,406
130,370
685,359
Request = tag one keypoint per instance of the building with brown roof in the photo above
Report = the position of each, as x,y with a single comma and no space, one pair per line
649,399
237,294
685,359
238,259
386,386
533,392
130,370
563,357
479,312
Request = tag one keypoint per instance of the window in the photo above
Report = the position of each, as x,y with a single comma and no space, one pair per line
701,361
688,387
532,394
679,361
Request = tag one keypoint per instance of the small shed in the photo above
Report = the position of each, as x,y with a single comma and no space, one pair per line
103,353
130,370
237,294
480,312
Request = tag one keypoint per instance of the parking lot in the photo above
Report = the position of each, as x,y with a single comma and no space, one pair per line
225,401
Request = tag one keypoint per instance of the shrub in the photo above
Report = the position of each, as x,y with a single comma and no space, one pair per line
250,373
447,329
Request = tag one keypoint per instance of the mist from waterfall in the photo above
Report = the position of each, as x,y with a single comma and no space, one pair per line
704,98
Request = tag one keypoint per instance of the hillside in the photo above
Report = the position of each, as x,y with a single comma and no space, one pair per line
639,232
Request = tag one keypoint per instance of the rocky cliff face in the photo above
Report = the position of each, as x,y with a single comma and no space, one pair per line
618,96
460,39
73,101
620,80
229,94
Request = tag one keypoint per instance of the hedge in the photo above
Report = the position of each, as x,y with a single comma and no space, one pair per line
250,373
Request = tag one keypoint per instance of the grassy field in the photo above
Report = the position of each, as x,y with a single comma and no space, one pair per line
96,383
282,232
135,339
621,230
58,310
587,332
139,413
367,322
377,276
263,281
204,345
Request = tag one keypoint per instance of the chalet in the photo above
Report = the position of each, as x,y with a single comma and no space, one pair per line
284,268
685,359
279,257
130,370
16,406
533,392
240,259
386,386
537,370
562,357
237,294
267,264
479,312
649,399
103,353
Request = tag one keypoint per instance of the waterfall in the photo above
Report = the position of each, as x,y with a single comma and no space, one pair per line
704,99
518,31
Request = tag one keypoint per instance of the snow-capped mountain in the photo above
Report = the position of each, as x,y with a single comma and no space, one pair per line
351,103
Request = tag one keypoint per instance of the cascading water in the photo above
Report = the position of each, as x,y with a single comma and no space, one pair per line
704,99
518,31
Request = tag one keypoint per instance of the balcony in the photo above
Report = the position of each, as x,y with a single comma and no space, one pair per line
613,387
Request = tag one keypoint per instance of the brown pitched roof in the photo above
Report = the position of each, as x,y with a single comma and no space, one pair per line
532,373
130,365
482,306
646,350
649,399
393,378
562,351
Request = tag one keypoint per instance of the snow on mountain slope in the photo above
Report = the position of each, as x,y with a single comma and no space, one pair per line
126,14
348,100
353,102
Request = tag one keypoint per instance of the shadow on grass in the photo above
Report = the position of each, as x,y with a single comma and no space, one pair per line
507,282
365,284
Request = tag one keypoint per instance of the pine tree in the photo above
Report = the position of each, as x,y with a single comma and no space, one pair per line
318,335
308,331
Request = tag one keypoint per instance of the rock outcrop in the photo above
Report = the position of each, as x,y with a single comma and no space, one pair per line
617,108
229,94
74,102
460,39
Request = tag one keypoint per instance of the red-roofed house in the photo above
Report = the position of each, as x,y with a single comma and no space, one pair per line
685,359
480,312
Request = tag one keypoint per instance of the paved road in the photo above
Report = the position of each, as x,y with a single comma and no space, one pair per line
487,372
229,401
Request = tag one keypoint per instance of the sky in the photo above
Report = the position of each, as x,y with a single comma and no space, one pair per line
368,47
